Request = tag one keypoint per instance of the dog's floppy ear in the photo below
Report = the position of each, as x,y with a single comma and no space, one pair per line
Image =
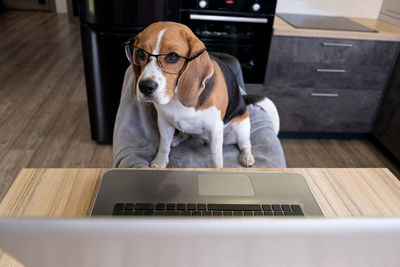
192,80
136,72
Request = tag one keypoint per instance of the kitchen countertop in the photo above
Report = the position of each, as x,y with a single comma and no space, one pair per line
386,31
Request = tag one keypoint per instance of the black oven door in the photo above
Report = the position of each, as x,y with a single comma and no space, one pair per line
247,38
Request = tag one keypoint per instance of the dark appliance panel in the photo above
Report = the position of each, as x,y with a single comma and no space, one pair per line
242,40
242,6
105,25
234,27
104,64
128,12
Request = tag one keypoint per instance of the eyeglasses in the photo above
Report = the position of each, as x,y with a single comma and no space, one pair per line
170,63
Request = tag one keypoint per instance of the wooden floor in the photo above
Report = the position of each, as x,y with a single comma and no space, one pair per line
44,120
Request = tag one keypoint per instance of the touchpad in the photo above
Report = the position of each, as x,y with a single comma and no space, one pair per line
225,185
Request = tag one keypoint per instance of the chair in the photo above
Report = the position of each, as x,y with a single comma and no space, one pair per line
136,136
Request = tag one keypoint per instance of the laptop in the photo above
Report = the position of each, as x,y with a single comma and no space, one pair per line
211,242
200,193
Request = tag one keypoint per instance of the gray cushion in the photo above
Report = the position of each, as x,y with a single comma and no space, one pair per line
136,138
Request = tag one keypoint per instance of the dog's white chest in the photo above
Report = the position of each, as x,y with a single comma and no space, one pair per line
188,120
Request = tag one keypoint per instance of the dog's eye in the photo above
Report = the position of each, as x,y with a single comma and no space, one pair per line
171,58
141,54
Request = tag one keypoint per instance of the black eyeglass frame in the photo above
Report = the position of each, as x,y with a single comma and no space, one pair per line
129,44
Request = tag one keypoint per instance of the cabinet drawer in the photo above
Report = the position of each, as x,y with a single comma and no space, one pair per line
328,50
304,110
329,76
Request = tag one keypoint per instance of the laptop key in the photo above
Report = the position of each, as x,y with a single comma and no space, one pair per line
286,208
227,213
144,206
293,213
171,206
138,212
296,208
207,213
276,207
217,213
128,213
160,206
268,213
129,206
267,207
191,206
159,213
186,213
289,213
148,213
181,206
196,213
278,213
258,213
201,207
234,207
118,209
248,213
172,213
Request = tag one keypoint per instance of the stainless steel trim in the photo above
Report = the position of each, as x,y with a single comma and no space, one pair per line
331,70
337,44
325,94
228,18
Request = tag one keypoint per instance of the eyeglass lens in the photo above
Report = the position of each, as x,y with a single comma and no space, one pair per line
171,63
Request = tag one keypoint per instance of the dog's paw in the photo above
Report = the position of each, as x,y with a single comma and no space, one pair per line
246,159
159,163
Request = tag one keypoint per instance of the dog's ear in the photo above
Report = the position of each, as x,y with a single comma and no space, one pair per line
192,80
136,72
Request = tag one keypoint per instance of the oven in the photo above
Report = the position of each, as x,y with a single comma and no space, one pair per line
241,28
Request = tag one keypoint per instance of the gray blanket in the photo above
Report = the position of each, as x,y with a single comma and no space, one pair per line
136,138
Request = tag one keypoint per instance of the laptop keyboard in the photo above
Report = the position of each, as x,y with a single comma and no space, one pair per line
206,210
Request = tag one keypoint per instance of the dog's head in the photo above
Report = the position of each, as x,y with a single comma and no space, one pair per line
169,59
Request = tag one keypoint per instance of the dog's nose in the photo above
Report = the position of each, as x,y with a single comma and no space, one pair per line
147,87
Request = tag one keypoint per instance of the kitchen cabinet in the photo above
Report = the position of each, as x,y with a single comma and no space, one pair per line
387,126
328,84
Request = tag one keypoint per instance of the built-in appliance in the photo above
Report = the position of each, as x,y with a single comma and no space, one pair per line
323,22
242,28
105,25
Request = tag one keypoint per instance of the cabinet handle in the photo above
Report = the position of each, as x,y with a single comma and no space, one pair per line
337,44
331,70
325,94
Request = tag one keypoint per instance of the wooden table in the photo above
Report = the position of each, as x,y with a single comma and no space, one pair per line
70,193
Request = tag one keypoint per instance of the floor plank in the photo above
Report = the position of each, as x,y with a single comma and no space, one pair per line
44,119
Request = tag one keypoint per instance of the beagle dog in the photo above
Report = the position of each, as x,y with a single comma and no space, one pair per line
191,91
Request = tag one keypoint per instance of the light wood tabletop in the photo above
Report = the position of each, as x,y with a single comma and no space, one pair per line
340,192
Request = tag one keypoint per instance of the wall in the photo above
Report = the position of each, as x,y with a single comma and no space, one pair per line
347,8
390,12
